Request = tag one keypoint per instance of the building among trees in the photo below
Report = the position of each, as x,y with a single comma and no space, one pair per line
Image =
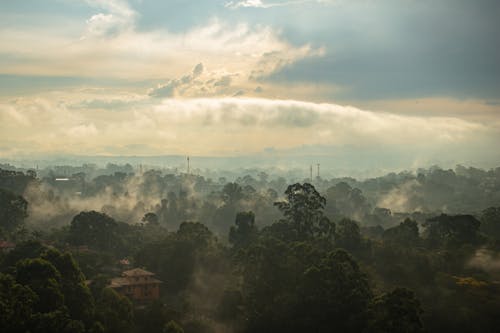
138,285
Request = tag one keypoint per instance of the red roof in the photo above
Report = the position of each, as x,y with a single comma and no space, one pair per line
136,272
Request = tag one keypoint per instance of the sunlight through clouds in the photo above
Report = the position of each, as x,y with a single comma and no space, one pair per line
111,47
221,125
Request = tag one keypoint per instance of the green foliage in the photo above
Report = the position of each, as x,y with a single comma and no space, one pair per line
93,229
16,305
55,321
172,327
287,276
153,317
397,311
77,297
348,235
345,201
103,233
114,311
406,233
452,231
297,287
13,210
335,292
24,250
16,181
151,219
60,301
174,258
232,193
245,231
303,213
199,325
195,232
490,222
45,280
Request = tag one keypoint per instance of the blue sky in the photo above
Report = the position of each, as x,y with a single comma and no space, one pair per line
107,75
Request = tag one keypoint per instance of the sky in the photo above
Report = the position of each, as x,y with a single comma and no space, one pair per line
417,82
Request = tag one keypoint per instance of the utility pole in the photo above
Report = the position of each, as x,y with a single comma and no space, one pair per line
188,165
311,173
318,170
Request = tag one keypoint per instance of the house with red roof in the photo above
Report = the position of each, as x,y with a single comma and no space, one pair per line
138,285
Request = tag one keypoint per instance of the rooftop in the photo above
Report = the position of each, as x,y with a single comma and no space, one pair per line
136,272
123,281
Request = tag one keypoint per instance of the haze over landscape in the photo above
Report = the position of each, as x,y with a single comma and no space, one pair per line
249,166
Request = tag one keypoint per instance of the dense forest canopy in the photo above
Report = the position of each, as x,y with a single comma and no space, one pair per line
406,252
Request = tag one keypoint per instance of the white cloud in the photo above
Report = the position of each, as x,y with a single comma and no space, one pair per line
246,4
265,4
119,17
109,46
220,126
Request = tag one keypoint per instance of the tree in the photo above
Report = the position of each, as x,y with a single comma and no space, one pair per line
336,294
196,233
172,327
13,210
16,305
452,230
175,257
44,279
245,231
348,235
151,219
29,249
303,212
490,222
343,200
406,233
232,193
397,311
296,287
94,229
114,311
77,296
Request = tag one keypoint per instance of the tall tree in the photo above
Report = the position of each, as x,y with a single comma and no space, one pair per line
303,211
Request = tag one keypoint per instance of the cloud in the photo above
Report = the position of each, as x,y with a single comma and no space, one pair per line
119,17
262,4
82,131
224,81
197,70
109,45
200,83
165,90
220,126
246,4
